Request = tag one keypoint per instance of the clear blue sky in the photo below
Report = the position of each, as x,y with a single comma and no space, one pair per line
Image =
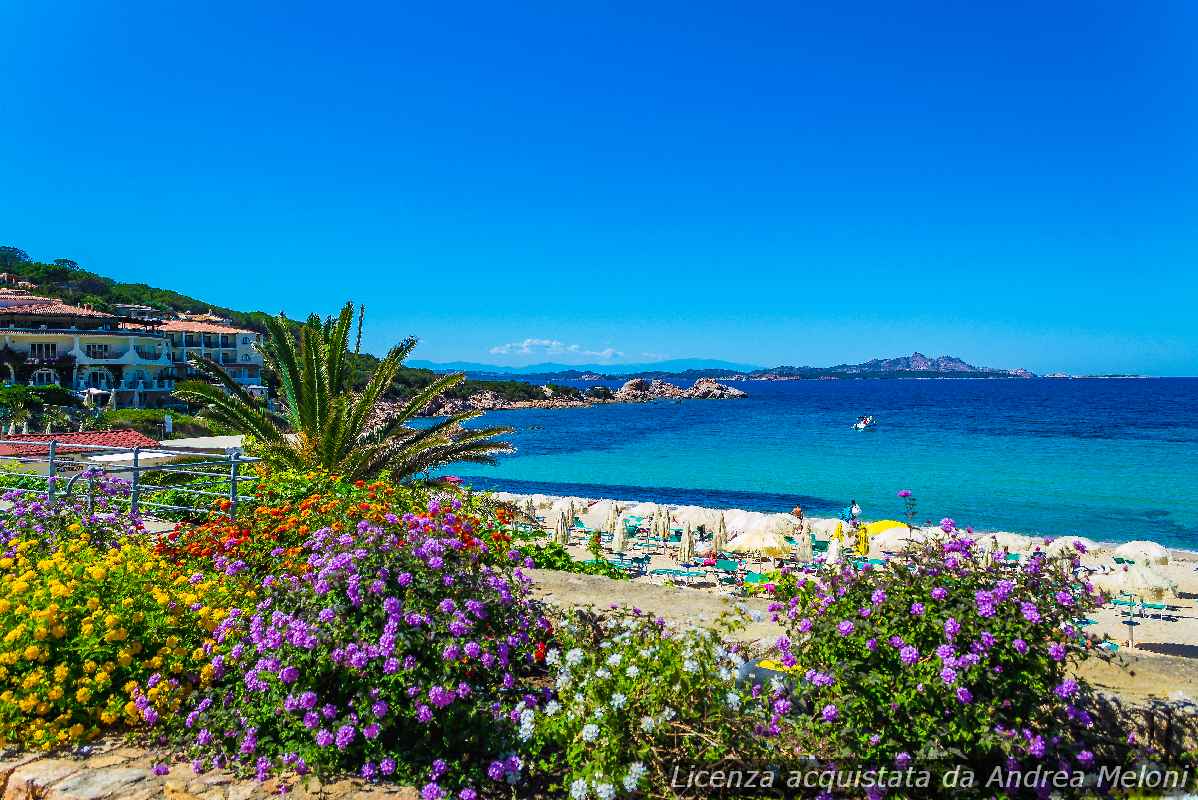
1014,183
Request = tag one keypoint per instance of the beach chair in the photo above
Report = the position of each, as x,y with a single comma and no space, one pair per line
1127,562
1158,608
727,571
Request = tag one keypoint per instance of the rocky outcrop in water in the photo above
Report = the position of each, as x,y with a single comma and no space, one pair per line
642,390
638,390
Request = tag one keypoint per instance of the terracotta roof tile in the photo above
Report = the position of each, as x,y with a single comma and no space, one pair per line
45,306
38,441
189,326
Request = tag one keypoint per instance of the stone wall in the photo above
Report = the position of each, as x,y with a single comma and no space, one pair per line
111,770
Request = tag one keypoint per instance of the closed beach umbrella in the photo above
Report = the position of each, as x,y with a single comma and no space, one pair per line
721,536
613,520
833,556
766,543
563,530
686,548
617,539
530,508
1142,582
571,513
1143,552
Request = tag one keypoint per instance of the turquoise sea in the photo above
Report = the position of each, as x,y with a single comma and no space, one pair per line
1113,459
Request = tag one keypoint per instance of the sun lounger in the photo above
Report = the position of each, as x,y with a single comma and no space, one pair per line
1127,562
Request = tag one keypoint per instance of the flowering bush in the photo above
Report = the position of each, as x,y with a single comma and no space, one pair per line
92,634
631,697
395,653
945,650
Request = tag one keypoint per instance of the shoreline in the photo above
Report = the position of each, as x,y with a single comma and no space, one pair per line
1177,553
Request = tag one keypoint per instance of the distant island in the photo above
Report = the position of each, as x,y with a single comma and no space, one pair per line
916,365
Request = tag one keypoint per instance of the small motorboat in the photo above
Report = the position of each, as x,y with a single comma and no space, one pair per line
865,423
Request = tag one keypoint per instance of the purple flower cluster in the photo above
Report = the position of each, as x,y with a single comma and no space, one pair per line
396,632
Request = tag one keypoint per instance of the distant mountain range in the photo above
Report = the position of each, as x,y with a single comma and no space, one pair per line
916,365
671,366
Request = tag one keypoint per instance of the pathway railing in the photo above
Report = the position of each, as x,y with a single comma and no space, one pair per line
67,469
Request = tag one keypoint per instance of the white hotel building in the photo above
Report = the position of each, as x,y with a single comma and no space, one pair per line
47,341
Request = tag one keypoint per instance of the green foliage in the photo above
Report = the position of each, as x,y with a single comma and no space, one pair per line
35,397
600,393
151,422
555,556
65,280
634,698
944,650
328,426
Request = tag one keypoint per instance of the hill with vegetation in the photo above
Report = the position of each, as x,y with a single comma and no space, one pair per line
66,280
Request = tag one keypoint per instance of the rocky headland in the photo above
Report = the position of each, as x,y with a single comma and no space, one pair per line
637,390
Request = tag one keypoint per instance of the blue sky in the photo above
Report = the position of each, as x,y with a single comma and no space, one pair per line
799,183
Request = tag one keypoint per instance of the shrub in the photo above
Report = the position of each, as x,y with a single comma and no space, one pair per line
554,556
944,650
395,654
97,630
633,697
152,422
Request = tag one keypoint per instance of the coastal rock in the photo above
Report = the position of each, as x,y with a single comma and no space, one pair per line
709,389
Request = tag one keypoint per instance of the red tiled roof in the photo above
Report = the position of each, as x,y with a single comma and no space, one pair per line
45,306
190,326
118,438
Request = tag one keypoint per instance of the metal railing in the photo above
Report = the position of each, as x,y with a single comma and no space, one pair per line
65,468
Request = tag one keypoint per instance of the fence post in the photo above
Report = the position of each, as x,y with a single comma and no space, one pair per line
50,470
134,490
234,455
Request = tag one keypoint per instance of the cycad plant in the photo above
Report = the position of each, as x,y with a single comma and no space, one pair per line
326,424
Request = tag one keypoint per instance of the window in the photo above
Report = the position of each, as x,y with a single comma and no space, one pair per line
245,357
44,377
96,350
245,340
47,350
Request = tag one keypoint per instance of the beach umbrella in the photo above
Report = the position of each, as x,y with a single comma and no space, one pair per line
1068,545
613,520
721,536
891,540
562,532
686,548
1142,582
766,543
1143,552
530,509
617,539
1011,542
833,555
571,513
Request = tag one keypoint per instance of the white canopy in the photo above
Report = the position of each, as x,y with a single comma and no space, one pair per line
892,540
757,541
1067,545
1143,582
1001,540
1143,552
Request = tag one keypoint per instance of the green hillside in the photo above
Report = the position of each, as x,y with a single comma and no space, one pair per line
66,280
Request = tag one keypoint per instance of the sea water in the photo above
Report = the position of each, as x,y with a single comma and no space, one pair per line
1111,459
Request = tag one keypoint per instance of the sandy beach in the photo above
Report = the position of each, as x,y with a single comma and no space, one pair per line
1157,654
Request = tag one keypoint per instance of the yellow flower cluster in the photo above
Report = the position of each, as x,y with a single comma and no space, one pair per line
82,630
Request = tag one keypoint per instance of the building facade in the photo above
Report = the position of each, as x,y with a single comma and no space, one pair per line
48,342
